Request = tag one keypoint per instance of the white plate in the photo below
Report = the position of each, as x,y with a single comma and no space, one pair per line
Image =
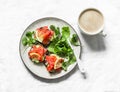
40,70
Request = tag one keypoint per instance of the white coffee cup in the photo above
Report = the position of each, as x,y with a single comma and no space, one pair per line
91,22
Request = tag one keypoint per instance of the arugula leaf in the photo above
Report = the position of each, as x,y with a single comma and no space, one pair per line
28,39
65,65
24,41
56,30
62,48
29,34
52,44
70,60
65,32
75,40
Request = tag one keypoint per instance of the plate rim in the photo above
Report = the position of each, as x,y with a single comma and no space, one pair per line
21,53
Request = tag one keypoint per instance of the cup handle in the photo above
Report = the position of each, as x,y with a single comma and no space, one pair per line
103,33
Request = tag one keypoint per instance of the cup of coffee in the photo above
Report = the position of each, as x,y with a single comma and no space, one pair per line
91,22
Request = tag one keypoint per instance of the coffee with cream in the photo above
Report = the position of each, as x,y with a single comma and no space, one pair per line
90,20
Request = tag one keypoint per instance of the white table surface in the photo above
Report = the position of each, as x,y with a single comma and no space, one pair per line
101,56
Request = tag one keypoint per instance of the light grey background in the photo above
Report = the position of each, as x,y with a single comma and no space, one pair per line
100,55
